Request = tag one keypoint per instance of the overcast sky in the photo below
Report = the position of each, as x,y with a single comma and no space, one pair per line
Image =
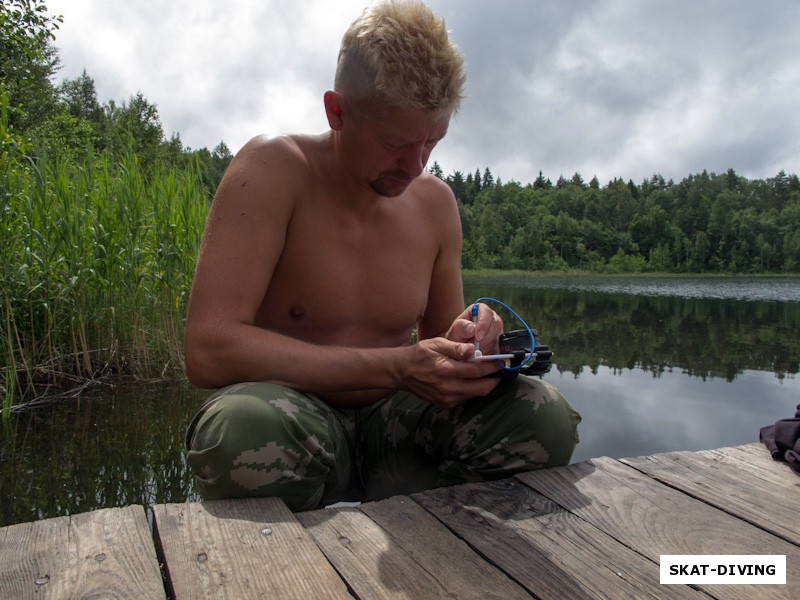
612,88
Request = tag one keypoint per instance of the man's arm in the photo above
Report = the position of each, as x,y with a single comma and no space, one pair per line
445,315
447,321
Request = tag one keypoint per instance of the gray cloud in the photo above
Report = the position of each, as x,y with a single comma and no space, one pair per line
627,89
612,88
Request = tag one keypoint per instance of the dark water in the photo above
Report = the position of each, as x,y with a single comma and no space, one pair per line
652,365
111,447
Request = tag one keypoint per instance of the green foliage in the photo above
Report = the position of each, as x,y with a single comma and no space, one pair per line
96,263
101,217
27,60
707,223
213,164
79,97
68,119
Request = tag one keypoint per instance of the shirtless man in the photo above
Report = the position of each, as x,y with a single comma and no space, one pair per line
320,257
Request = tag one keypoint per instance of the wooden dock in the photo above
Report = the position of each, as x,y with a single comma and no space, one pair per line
595,529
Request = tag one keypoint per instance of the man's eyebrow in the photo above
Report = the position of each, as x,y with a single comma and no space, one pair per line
436,138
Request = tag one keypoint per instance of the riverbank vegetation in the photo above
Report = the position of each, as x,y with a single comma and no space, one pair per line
97,260
101,215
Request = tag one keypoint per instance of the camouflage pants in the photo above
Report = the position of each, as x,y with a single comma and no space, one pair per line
261,439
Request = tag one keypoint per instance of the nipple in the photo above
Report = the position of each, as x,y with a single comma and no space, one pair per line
296,312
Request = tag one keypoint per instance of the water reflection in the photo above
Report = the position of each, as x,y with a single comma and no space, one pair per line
659,364
604,323
631,413
650,366
111,447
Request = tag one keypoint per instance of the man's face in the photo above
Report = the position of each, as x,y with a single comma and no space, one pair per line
394,146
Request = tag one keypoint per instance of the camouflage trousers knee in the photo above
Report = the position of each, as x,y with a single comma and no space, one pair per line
262,439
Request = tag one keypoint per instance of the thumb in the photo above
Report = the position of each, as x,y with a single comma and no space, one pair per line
461,330
451,349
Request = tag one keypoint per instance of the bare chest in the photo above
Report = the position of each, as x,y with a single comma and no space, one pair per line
344,281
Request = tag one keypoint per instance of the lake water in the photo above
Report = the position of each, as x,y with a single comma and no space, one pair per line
659,364
652,364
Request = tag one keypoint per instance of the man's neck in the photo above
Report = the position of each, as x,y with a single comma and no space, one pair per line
350,190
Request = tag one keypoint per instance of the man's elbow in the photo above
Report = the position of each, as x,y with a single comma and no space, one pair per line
195,371
200,365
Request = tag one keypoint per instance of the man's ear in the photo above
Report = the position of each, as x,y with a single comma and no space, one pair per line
334,107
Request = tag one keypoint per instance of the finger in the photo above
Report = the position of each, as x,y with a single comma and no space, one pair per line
495,331
459,351
488,327
462,330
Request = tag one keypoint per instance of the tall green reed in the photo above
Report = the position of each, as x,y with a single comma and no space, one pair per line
97,259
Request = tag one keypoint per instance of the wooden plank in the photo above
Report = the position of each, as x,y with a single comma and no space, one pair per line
106,553
370,561
758,496
654,519
755,459
551,552
457,568
747,461
240,549
753,452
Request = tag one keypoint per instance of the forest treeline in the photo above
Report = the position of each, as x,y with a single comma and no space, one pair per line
707,223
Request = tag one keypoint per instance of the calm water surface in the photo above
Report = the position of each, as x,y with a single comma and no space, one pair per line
659,364
652,364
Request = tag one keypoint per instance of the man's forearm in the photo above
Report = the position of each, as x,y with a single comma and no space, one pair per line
247,353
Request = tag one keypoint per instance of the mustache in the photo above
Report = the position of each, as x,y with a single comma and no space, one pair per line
395,174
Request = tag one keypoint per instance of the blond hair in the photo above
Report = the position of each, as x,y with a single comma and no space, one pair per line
398,53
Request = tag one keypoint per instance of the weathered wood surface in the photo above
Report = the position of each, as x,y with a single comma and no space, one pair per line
654,519
744,482
395,549
591,530
102,554
252,548
551,552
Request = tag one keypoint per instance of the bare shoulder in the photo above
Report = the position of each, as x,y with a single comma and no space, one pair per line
264,180
439,203
254,202
246,228
284,147
435,189
266,159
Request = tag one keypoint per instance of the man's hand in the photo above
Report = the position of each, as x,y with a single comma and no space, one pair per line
484,328
439,369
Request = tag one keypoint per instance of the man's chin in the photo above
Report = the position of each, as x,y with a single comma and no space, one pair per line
390,187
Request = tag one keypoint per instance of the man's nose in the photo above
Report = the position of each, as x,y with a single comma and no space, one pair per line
414,160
